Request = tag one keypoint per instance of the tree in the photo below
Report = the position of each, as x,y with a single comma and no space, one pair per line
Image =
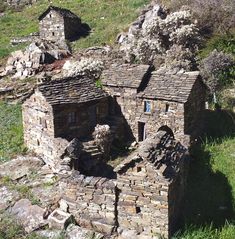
214,69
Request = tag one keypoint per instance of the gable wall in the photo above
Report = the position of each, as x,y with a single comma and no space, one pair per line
52,25
194,107
38,125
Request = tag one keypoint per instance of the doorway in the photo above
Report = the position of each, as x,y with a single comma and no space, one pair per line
141,131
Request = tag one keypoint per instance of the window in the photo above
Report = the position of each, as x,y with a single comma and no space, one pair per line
53,34
167,108
72,118
147,106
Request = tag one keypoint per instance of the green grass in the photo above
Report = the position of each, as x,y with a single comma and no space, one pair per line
11,131
209,206
106,19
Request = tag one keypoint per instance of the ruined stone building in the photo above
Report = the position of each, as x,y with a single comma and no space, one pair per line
159,109
57,24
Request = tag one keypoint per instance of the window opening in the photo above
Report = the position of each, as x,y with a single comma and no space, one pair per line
72,118
147,106
167,108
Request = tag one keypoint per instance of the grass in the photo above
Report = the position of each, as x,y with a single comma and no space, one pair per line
10,229
11,131
106,19
209,206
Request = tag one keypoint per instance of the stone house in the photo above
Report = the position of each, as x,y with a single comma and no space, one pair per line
56,24
159,108
152,100
59,111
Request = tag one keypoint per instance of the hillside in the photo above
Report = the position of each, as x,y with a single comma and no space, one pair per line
106,19
209,205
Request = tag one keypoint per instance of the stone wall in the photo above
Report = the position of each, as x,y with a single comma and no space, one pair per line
92,201
88,115
132,108
143,201
51,27
194,107
38,123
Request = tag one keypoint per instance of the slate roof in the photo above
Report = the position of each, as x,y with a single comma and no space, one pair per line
62,11
170,86
124,75
71,91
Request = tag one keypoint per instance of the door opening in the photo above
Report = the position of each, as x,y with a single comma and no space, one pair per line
141,131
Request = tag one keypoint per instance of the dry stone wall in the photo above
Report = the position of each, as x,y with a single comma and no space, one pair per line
92,201
52,27
132,109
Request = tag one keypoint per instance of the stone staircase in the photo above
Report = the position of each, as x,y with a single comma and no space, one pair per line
89,158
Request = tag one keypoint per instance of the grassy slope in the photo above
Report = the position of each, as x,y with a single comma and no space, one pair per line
11,131
211,190
106,19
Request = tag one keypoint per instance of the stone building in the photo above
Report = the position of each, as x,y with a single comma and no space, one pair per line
159,109
56,24
152,100
59,111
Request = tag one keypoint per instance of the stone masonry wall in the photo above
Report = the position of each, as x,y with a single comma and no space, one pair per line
51,27
143,201
132,109
194,107
84,125
92,201
38,125
72,27
39,130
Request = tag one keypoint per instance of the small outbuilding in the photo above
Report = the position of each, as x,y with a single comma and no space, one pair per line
59,111
56,24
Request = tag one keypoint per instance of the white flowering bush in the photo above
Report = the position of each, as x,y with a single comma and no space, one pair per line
158,33
103,139
84,67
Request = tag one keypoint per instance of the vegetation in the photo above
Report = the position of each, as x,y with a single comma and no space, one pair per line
11,133
209,211
9,229
106,19
209,207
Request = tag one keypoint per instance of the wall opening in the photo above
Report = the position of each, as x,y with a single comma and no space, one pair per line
167,130
141,131
167,108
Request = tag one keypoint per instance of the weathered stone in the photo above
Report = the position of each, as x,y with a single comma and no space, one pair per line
29,216
8,197
24,165
59,219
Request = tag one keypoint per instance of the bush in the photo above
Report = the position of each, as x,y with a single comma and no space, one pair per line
212,15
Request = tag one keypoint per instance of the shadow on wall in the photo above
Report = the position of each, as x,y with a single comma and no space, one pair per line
208,197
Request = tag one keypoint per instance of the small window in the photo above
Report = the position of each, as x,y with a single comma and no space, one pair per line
139,169
138,210
147,106
167,108
53,34
50,16
72,118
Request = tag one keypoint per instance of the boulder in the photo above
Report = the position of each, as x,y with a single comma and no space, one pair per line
8,197
28,215
24,165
